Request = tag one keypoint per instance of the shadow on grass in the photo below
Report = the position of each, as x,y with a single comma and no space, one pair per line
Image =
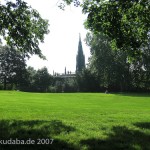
121,138
36,129
143,125
134,94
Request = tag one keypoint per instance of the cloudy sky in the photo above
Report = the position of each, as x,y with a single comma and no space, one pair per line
61,44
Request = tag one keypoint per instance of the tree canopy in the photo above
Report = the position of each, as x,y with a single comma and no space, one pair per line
112,68
126,22
12,66
42,79
22,27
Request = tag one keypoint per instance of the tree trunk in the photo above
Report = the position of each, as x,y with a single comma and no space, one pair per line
4,82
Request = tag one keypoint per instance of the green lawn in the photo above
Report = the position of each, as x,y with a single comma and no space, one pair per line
86,121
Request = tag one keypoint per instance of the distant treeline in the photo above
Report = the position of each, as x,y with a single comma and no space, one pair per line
107,70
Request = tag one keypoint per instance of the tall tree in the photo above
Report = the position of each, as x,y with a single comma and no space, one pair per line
110,66
12,66
126,22
113,69
141,70
31,72
22,26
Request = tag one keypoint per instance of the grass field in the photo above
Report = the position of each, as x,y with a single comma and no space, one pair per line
80,121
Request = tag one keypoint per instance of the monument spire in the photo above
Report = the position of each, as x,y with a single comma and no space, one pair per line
80,58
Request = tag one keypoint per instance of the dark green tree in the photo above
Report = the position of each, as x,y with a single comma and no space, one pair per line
110,66
42,80
22,26
146,65
126,22
31,72
113,69
141,71
70,85
12,67
87,81
62,3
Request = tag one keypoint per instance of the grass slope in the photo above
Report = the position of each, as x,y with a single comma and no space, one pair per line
77,121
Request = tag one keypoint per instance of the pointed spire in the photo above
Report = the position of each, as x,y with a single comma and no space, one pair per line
79,37
80,58
80,50
65,71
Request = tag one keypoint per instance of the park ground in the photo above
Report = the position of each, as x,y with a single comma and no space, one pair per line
75,121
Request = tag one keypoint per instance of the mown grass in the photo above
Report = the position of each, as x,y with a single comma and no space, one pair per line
77,121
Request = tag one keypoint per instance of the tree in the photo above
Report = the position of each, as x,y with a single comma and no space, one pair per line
70,85
42,80
12,66
22,27
87,81
63,3
111,67
31,72
146,64
126,22
141,71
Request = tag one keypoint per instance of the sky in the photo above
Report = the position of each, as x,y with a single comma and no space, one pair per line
61,44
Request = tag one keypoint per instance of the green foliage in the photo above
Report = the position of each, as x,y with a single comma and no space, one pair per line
12,67
63,3
61,85
112,67
42,80
87,81
70,85
31,72
22,26
125,22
